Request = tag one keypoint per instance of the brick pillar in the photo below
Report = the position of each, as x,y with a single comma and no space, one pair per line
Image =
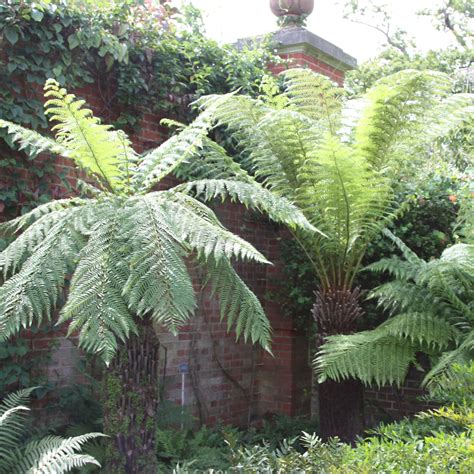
285,380
305,49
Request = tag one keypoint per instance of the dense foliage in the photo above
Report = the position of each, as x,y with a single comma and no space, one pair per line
49,455
435,441
430,303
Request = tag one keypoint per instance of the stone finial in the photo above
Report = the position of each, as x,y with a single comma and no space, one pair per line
292,12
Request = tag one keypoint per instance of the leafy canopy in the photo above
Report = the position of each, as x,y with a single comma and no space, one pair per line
127,246
338,160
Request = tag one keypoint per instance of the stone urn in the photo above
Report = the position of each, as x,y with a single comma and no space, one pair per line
292,8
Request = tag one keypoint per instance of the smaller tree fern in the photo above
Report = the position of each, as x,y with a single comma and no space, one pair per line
432,311
48,455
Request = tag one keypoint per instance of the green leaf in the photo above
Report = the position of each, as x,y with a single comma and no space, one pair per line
73,41
37,15
11,34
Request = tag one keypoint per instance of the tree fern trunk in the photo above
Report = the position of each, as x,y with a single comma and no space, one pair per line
341,407
130,405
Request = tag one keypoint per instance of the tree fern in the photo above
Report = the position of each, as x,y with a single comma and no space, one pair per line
126,247
49,455
339,172
339,161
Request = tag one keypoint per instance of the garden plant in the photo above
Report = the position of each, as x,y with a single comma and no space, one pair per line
124,252
339,161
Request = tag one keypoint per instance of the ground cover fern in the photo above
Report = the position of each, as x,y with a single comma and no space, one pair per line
48,455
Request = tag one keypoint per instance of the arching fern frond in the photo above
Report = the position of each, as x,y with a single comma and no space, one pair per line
432,303
159,284
31,294
102,152
198,226
314,95
238,304
9,228
52,455
251,195
398,105
32,142
162,161
95,304
49,455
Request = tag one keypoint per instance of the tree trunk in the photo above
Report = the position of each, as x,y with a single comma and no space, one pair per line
130,398
341,407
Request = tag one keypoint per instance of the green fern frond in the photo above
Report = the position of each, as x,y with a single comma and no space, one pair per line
94,147
398,105
31,294
198,226
95,304
445,365
253,196
162,161
32,142
371,357
432,303
12,417
211,162
52,455
159,284
238,304
49,455
121,267
24,221
314,95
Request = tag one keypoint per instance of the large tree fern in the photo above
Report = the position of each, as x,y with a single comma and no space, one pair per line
126,246
121,256
432,311
338,161
48,455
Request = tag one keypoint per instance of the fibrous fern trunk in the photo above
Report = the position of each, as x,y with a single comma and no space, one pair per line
341,407
130,404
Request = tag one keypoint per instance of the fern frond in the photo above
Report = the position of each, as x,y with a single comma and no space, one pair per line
12,417
32,142
94,147
463,354
53,455
238,304
22,222
49,455
159,284
251,195
31,294
95,304
314,95
383,355
398,104
162,161
370,356
211,162
198,226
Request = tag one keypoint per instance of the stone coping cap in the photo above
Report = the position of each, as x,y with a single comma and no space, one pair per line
298,39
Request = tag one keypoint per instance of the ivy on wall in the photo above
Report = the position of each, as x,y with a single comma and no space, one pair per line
138,55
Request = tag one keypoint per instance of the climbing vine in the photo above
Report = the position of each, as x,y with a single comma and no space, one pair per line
139,56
